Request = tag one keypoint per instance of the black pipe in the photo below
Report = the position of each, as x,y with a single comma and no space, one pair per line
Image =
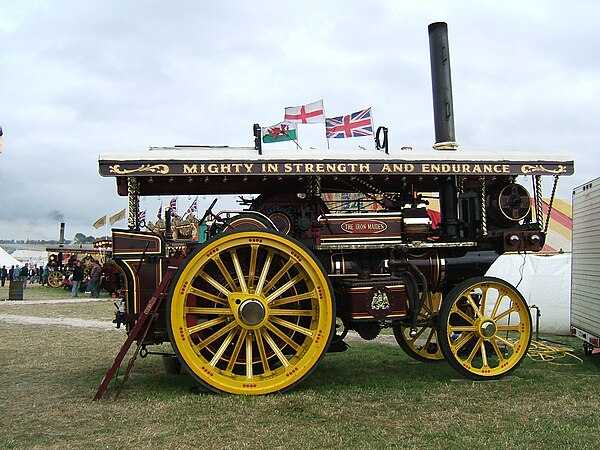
441,81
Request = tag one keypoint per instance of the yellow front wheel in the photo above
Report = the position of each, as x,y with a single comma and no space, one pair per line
55,279
484,328
251,312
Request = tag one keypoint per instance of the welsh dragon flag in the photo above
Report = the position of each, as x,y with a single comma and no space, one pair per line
283,131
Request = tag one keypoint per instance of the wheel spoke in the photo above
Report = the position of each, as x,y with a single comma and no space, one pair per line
204,325
219,353
294,298
292,326
505,313
505,341
221,265
286,267
474,305
265,271
509,327
236,350
496,306
461,328
249,373
292,312
207,311
214,283
281,335
252,268
477,346
462,341
498,351
207,296
284,288
277,351
261,350
456,310
238,271
213,337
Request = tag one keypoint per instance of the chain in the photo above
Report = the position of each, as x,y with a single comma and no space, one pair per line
483,207
133,196
538,201
551,201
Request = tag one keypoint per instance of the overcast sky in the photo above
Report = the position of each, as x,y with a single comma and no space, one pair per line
82,78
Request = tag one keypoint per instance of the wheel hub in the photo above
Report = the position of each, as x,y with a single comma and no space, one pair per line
487,329
251,312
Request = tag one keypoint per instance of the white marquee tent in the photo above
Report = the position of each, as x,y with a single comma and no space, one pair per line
544,281
7,260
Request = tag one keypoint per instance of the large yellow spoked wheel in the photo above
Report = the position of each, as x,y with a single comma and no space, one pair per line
251,312
55,279
424,345
484,328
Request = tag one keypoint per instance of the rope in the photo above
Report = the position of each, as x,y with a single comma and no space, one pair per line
540,351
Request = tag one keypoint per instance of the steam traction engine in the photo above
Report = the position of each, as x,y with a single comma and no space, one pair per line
328,242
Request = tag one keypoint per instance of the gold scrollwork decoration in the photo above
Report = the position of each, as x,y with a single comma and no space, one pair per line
527,169
156,168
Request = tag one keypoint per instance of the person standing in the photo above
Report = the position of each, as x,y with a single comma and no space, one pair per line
95,280
24,274
11,273
3,275
77,278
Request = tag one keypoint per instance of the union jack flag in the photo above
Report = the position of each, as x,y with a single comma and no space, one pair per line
173,206
142,216
353,125
159,214
193,207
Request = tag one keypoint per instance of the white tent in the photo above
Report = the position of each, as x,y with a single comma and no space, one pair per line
7,260
544,281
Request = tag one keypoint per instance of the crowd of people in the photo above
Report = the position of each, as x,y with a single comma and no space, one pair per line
77,281
27,274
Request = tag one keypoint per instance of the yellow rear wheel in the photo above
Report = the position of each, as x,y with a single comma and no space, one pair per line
251,312
484,328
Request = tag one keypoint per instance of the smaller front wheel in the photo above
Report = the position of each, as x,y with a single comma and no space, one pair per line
55,279
484,328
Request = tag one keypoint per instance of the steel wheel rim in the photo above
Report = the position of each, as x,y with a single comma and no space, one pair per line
488,328
425,345
251,313
55,279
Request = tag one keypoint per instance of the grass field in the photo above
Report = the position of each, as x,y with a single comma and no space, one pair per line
371,396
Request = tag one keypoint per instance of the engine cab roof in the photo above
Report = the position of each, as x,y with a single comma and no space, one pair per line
238,170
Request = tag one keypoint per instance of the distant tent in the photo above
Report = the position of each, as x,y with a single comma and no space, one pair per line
7,260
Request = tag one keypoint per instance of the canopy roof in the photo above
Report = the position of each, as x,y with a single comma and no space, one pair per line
179,170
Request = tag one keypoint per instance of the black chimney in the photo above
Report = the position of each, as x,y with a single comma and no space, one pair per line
441,81
443,117
61,238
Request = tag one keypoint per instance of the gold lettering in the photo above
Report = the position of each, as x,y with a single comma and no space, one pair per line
342,168
330,168
248,167
202,168
476,168
352,167
505,168
365,168
409,167
237,167
487,168
225,168
308,167
425,168
466,168
190,169
287,167
213,168
385,168
320,168
298,167
272,168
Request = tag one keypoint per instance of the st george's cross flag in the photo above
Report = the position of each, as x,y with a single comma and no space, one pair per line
353,125
311,113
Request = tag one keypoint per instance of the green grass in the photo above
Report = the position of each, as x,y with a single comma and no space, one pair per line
371,396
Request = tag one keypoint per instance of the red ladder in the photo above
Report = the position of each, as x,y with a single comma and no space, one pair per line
142,326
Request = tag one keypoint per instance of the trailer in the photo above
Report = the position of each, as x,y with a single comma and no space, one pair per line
585,266
327,241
